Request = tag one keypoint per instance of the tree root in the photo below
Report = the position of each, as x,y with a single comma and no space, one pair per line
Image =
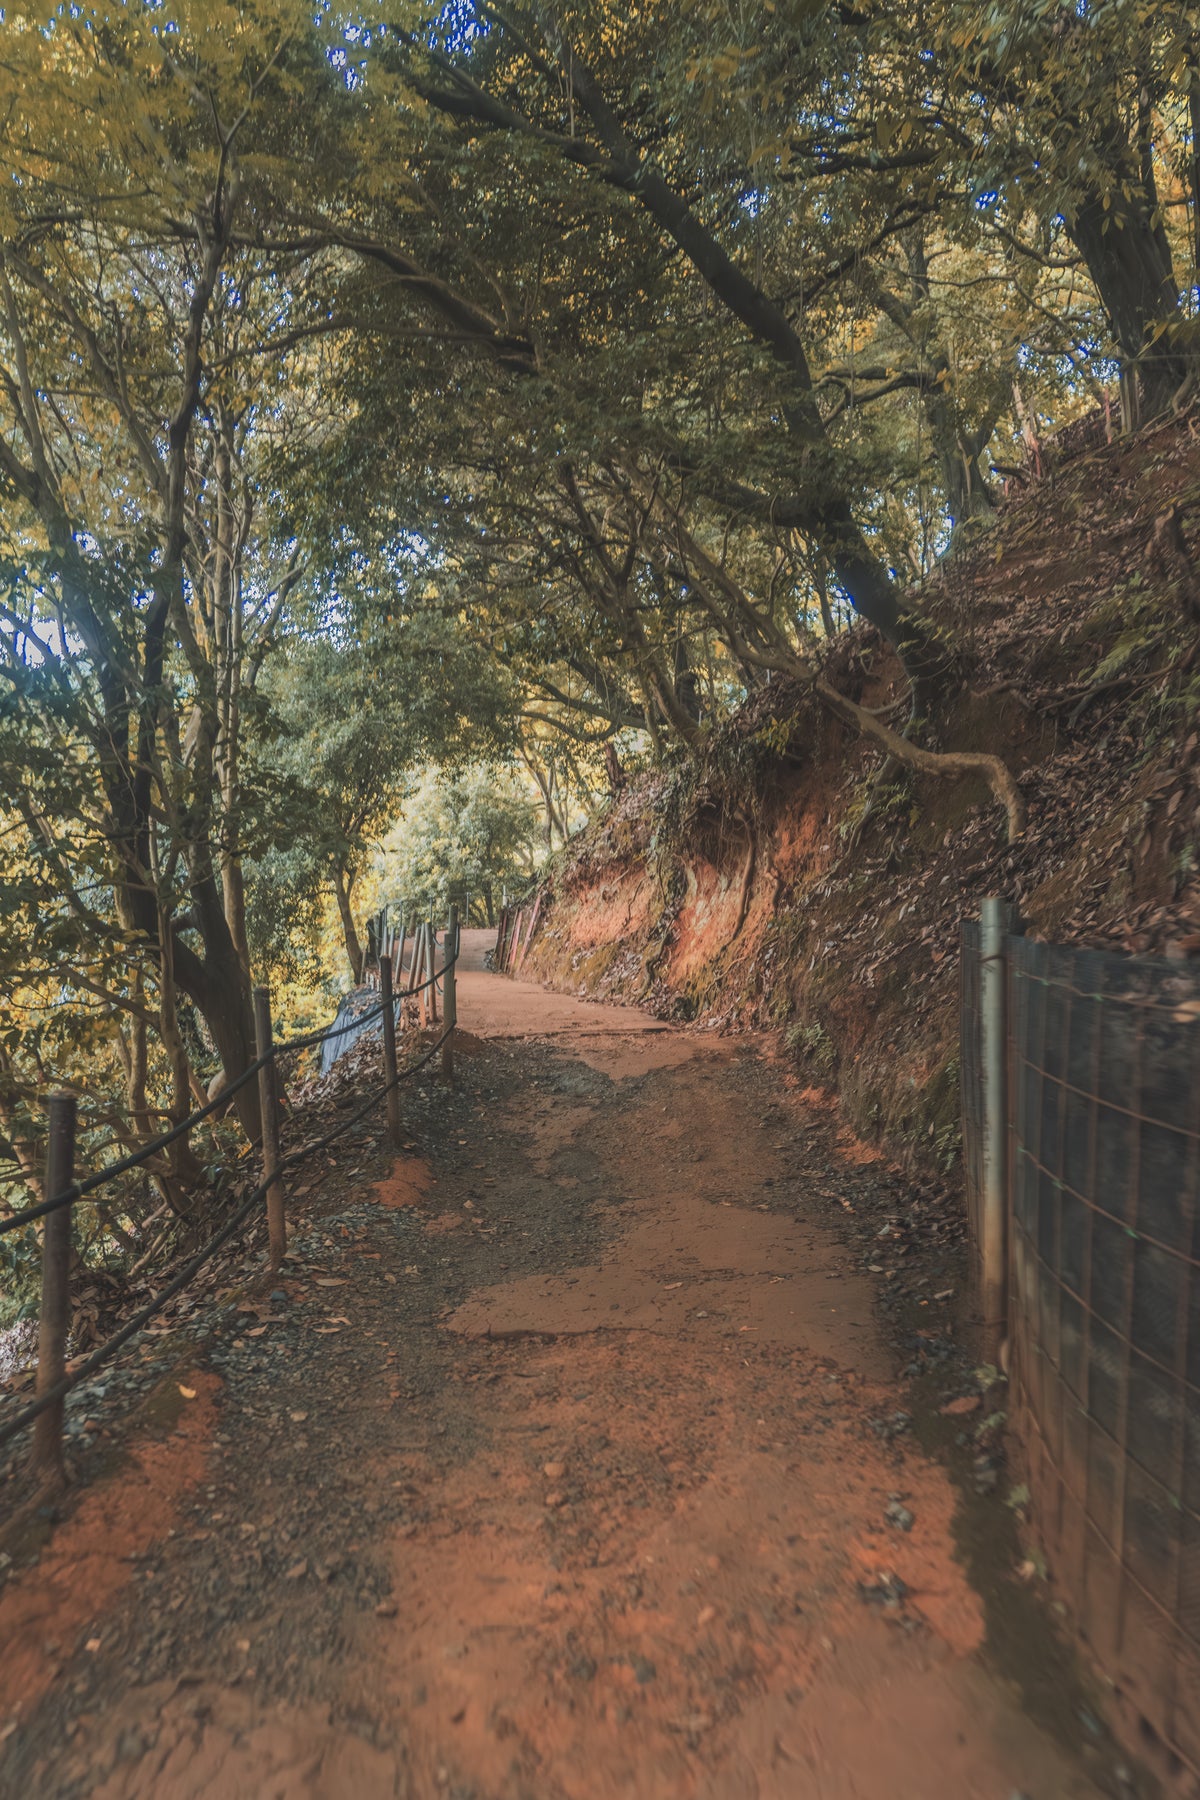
747,881
945,764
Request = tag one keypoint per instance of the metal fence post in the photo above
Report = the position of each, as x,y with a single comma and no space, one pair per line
55,1319
268,1102
450,996
389,1051
994,921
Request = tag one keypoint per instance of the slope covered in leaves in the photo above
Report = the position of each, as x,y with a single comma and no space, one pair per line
782,879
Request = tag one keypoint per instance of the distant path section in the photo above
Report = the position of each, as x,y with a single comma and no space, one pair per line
501,1006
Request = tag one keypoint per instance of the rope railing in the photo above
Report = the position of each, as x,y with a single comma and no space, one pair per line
106,1351
79,1190
53,1381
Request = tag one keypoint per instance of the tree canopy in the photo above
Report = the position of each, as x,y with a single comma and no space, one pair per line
489,386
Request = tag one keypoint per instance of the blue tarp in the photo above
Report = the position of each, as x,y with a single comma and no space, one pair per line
358,1000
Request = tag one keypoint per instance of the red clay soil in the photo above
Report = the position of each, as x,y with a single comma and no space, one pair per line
650,1543
87,1561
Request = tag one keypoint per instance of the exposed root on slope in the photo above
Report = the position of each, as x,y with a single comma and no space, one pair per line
946,764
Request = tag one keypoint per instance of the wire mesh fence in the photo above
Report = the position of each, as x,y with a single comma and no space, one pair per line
971,1086
1103,1116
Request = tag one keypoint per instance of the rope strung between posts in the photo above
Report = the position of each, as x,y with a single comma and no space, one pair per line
79,1190
132,1326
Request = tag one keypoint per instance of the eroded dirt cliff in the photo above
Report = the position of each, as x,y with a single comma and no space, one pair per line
777,879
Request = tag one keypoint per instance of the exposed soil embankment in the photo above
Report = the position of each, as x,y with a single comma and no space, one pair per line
779,881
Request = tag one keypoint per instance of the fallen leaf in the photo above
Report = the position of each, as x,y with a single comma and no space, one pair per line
188,1393
957,1409
695,1722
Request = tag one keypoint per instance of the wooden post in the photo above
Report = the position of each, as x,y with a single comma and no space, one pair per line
268,1104
55,1320
514,960
426,969
450,996
418,970
389,1052
533,925
432,990
414,959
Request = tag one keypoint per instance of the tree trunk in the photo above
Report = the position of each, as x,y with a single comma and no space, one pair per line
135,1066
1130,262
1194,165
343,885
821,583
185,1168
27,1152
228,605
964,485
872,592
687,685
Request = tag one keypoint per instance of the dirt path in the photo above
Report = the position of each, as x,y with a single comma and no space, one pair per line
565,1462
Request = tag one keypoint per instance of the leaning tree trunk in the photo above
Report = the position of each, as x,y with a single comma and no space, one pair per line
343,887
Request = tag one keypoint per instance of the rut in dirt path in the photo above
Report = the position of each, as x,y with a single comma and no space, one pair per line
564,1462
